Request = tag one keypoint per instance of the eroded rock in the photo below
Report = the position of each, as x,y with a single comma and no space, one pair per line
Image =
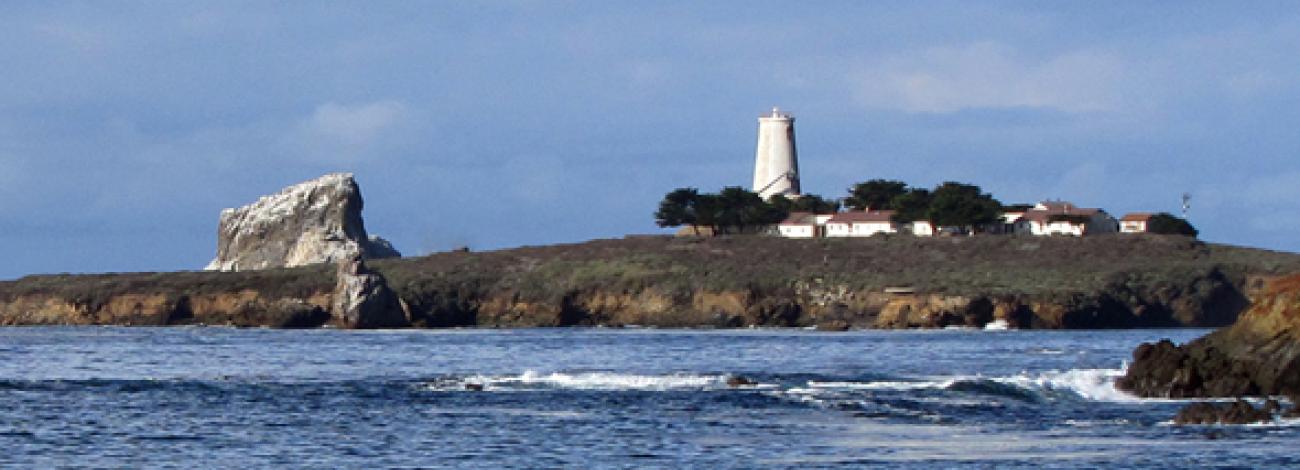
362,298
1257,355
318,221
1238,412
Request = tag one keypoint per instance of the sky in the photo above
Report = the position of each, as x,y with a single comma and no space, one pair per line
125,127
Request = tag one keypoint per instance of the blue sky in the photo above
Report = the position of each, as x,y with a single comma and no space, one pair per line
126,127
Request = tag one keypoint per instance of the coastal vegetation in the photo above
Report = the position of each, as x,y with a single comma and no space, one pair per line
1165,223
1032,282
951,204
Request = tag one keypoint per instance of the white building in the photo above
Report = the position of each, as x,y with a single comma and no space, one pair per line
1135,222
800,225
920,228
1064,218
776,162
861,224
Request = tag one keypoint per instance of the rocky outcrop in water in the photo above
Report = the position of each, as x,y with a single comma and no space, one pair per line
362,298
318,221
1257,355
1238,412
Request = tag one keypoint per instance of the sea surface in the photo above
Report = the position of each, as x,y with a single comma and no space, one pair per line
194,397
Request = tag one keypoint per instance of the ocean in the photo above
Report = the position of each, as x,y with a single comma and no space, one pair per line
199,397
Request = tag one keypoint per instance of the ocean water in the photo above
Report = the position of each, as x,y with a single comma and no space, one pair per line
595,398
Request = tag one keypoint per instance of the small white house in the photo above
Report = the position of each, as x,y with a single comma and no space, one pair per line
1006,224
1064,218
800,225
861,224
921,228
1135,222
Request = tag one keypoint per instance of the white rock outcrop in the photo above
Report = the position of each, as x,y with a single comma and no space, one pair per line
362,298
317,221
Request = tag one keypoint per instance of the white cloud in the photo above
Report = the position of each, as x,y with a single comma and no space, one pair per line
354,125
989,75
1084,183
344,134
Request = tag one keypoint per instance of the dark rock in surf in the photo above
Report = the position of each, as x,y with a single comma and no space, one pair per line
740,381
1257,355
1238,412
835,325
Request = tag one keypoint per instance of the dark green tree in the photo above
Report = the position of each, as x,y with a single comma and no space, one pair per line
805,203
740,209
779,201
707,212
731,210
1169,224
911,206
962,205
877,194
677,208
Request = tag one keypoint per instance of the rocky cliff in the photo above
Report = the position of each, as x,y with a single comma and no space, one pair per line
885,282
902,282
317,221
1257,355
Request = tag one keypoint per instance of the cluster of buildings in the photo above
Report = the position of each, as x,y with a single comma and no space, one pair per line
776,171
1044,218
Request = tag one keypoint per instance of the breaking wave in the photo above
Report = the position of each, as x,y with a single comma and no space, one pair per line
997,325
1073,384
1089,384
1086,384
531,380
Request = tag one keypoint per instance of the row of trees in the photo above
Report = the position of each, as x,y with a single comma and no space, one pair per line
950,204
732,209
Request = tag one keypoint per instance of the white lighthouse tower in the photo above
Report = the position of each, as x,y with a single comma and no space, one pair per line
776,164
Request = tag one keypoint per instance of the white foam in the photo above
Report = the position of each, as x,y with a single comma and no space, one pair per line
997,325
617,381
1090,384
584,381
886,385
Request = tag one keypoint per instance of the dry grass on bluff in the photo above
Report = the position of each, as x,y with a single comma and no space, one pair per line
93,290
957,265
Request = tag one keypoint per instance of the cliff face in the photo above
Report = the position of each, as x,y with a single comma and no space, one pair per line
240,308
1105,282
350,296
847,308
1110,282
1257,355
318,221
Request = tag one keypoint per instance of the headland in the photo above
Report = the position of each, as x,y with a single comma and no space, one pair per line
1105,281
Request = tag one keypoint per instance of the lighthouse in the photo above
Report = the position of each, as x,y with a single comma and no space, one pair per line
776,164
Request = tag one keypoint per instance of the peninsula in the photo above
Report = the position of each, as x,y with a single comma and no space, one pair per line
1104,281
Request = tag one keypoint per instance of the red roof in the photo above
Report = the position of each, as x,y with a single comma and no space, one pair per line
1057,208
1137,217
